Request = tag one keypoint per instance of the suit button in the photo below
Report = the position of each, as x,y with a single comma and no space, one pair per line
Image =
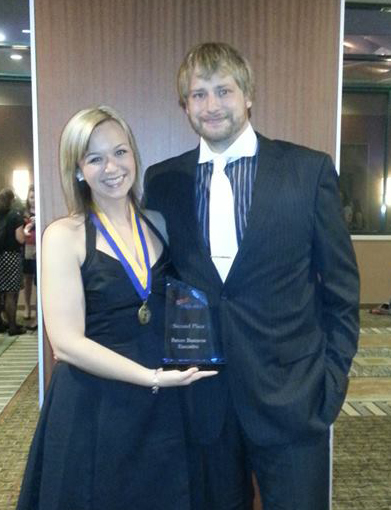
224,296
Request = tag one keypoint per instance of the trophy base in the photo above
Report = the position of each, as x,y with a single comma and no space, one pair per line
201,364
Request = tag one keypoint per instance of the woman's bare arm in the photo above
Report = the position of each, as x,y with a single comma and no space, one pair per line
64,312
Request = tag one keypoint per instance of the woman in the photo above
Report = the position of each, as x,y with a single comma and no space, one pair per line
10,261
29,259
105,441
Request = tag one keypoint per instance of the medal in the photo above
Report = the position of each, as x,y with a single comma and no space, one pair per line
139,274
144,314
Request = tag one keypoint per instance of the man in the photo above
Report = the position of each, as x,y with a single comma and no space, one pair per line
283,294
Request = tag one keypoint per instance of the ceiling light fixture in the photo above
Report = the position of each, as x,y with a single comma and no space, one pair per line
26,31
15,56
2,37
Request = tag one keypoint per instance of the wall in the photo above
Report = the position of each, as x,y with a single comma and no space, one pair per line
16,137
125,53
374,262
369,131
16,141
373,256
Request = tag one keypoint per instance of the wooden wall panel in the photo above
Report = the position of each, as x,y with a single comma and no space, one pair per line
126,53
373,258
16,141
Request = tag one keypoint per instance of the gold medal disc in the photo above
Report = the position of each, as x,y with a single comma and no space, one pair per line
144,314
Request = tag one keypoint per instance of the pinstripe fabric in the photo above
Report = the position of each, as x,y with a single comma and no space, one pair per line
274,318
241,174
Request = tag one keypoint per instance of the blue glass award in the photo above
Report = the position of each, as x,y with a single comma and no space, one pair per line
189,338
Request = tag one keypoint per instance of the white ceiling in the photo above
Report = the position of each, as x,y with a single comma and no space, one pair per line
368,33
14,17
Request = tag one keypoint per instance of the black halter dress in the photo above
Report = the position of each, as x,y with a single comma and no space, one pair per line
102,444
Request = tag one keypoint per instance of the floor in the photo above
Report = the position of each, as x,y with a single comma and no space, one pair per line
362,445
18,357
362,441
362,463
369,391
17,425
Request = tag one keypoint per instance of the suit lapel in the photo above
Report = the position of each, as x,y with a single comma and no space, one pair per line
186,190
267,181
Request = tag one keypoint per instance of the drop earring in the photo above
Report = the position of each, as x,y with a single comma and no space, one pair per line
79,175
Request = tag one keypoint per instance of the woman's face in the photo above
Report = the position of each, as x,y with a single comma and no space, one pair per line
31,199
108,166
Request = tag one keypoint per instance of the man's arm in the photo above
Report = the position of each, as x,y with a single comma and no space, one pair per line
339,281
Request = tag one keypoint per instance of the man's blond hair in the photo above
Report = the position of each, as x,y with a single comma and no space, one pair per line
209,58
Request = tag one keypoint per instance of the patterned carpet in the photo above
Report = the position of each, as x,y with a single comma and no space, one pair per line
17,425
5,342
18,357
362,463
362,443
372,362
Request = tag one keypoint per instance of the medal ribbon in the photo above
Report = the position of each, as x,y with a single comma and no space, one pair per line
139,276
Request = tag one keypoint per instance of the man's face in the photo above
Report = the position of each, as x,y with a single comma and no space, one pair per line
217,109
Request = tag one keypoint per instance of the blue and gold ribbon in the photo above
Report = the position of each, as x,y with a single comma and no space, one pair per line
139,274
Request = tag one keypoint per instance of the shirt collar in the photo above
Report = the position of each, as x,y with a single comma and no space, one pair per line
244,146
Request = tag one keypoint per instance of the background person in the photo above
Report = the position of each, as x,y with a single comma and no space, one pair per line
29,254
104,438
281,279
11,275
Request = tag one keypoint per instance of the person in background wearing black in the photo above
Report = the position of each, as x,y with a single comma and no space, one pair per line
29,258
11,271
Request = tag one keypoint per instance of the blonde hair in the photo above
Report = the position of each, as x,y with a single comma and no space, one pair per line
28,206
209,58
73,146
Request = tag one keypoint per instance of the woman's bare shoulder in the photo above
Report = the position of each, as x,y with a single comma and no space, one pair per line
158,221
68,225
65,234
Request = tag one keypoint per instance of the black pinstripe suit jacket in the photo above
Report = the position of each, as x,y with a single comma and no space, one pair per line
287,315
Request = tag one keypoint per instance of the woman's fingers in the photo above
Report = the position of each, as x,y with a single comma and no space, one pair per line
183,378
200,374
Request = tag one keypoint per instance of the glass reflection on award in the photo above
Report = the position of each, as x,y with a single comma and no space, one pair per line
189,339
